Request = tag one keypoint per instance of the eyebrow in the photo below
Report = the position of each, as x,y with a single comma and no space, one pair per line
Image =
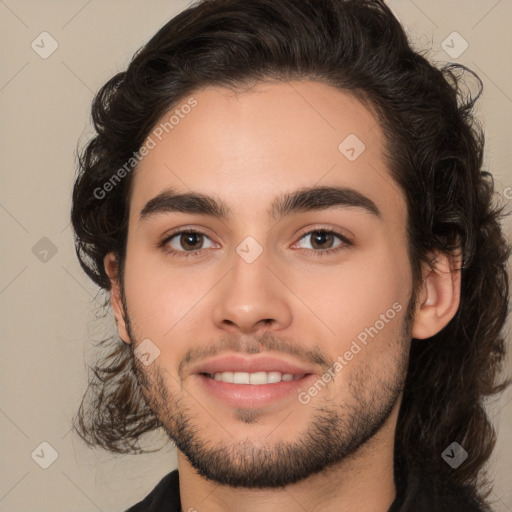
301,200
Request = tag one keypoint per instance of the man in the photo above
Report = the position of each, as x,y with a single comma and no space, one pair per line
304,259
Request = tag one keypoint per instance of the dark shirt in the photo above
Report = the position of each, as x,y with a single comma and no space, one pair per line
420,494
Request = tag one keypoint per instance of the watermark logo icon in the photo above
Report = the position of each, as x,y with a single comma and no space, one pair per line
352,147
45,455
454,45
454,455
44,45
44,250
249,250
146,352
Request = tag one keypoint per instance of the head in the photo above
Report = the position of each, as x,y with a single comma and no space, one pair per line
278,130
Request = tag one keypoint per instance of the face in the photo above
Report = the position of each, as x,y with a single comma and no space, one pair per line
267,270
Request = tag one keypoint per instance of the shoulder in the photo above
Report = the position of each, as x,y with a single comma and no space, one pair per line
426,493
164,497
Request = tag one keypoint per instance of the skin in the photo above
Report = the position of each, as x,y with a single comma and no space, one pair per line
247,148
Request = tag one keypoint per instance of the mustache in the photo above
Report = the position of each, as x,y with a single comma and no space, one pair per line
264,342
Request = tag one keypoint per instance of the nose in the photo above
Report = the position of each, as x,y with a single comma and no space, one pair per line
251,297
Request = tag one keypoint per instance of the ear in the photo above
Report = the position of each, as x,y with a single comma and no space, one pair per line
439,296
112,269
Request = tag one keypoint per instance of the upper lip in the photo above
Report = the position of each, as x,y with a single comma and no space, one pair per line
251,364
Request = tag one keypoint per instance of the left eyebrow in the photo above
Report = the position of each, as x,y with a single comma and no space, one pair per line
302,200
321,198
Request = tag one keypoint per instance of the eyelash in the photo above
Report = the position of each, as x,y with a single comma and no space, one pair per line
319,253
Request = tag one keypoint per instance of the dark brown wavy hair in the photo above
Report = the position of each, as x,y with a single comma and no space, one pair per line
434,153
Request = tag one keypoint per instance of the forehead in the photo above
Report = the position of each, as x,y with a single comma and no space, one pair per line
276,137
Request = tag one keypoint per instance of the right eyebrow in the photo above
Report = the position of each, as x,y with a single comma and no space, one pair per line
170,201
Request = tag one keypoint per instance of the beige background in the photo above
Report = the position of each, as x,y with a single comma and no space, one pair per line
48,308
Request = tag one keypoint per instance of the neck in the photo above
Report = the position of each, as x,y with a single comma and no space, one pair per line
363,482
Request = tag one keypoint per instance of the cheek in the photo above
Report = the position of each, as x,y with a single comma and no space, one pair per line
351,297
162,298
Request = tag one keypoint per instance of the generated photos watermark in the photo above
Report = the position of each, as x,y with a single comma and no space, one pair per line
356,346
156,136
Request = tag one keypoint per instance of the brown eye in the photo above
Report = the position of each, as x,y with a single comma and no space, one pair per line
322,240
188,241
191,241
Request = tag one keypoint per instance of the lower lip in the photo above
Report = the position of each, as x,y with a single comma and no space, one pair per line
252,395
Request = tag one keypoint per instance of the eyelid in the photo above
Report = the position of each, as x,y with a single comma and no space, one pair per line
183,229
344,234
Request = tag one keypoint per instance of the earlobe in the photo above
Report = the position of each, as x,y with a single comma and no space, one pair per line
111,268
439,297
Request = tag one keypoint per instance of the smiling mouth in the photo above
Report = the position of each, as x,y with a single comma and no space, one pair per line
256,378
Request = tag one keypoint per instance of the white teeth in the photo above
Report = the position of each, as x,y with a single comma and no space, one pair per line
255,378
240,378
258,377
225,376
273,377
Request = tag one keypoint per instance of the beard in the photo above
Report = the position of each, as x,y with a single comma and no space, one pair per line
336,430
